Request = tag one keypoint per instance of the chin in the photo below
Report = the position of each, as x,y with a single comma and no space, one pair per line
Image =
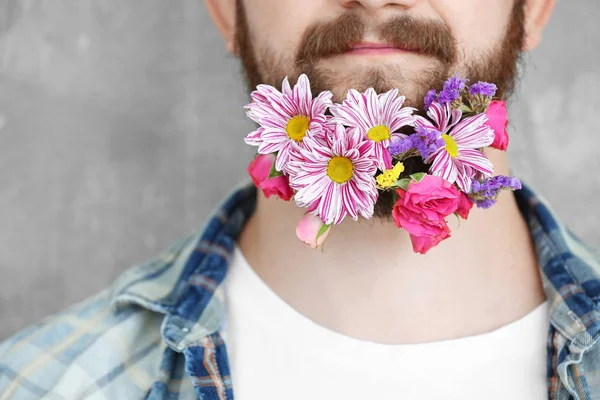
405,89
382,78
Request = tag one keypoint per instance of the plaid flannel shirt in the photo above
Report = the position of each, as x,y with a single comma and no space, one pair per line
155,333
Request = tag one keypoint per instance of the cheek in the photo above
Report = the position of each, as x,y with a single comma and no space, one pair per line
477,25
278,25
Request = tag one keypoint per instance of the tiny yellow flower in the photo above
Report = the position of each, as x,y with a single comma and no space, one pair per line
390,176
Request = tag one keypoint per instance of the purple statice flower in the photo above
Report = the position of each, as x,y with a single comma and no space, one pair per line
483,88
485,203
400,146
447,96
451,90
427,141
430,97
484,193
454,84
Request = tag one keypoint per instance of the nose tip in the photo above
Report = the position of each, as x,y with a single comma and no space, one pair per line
373,6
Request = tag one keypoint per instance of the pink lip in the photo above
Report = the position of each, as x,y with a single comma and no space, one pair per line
374,48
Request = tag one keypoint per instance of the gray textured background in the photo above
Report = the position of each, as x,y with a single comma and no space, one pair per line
116,115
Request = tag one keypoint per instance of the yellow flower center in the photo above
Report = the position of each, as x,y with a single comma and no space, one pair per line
379,133
389,177
451,146
340,169
296,127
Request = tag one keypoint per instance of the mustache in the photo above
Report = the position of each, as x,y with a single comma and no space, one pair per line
430,38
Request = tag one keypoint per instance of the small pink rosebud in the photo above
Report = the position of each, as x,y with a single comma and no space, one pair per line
308,229
260,169
498,121
278,186
464,206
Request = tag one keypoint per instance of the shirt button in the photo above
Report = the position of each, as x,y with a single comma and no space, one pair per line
185,329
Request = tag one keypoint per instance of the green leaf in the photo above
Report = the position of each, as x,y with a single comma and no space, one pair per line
322,231
274,173
394,197
465,108
418,176
403,184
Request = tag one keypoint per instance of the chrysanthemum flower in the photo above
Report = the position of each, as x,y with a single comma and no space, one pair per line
376,117
459,160
335,177
285,117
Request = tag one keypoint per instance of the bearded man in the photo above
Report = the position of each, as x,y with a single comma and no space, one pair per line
505,309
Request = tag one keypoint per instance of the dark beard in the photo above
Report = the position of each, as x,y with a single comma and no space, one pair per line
499,66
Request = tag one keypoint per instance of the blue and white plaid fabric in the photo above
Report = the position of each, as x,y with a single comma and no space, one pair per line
155,333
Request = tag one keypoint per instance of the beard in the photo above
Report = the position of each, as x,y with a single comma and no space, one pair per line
323,40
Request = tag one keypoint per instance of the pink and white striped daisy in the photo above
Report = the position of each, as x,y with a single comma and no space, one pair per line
285,117
459,160
376,117
334,177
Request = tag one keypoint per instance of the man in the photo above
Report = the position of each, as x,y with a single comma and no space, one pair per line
506,308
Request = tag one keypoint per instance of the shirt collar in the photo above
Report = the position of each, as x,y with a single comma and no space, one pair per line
184,281
570,272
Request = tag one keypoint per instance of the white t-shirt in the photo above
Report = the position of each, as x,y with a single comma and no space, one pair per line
276,353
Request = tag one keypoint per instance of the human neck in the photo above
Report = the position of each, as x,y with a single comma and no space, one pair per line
368,264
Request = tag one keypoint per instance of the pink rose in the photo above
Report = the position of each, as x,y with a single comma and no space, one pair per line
464,206
278,186
422,209
498,121
422,244
260,167
259,170
308,228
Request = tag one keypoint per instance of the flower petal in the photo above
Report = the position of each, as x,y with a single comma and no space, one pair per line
476,160
439,115
473,133
444,167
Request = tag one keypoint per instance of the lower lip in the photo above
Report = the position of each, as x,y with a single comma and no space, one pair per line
376,50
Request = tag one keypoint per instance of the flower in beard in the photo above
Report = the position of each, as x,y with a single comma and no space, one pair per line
377,118
285,117
451,92
459,160
422,209
452,88
485,192
425,141
334,177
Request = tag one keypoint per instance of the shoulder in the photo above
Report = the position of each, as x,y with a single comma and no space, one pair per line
112,338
